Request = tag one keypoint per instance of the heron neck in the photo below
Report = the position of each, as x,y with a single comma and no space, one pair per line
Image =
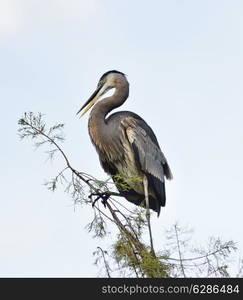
103,107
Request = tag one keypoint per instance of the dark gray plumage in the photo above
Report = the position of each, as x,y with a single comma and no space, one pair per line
127,146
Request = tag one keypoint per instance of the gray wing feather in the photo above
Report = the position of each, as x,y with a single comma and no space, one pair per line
151,158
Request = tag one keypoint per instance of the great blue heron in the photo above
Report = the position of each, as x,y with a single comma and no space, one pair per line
128,148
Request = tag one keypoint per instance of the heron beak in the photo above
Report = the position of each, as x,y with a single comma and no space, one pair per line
90,102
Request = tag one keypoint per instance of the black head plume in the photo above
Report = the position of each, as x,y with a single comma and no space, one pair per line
112,71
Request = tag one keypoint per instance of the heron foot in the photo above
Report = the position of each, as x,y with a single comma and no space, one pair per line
103,196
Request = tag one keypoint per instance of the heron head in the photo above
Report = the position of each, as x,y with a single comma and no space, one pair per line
107,81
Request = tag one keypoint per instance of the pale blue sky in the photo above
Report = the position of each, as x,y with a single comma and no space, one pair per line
185,67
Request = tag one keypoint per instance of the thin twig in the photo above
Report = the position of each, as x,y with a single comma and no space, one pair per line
179,251
198,257
105,262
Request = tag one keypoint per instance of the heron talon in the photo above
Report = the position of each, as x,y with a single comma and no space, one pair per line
103,196
93,203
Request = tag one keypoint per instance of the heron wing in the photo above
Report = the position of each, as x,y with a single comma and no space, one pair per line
148,155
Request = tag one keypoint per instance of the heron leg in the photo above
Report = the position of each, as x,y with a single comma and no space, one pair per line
145,185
